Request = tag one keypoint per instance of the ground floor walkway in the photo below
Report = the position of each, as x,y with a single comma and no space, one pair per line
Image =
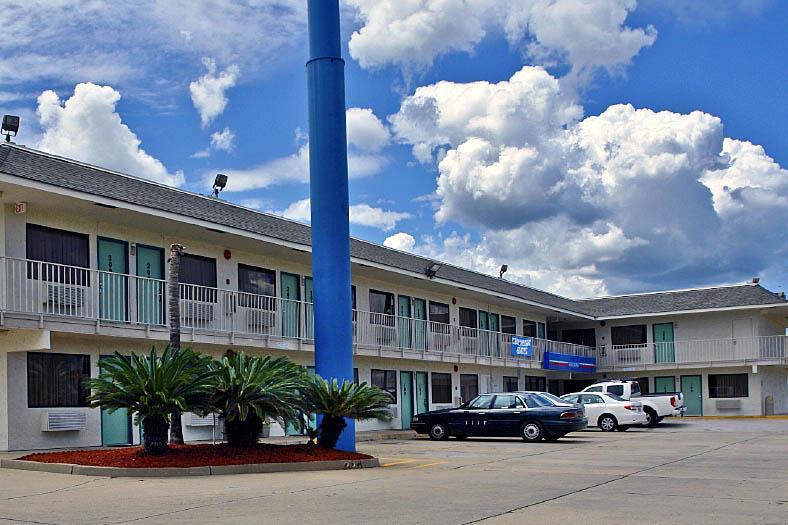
687,471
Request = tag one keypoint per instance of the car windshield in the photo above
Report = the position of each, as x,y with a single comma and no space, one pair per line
535,400
614,396
551,397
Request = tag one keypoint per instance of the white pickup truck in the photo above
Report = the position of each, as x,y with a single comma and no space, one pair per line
656,406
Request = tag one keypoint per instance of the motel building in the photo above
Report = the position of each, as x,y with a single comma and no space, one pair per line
83,274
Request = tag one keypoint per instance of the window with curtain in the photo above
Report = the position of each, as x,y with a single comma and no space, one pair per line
56,246
381,307
510,384
57,380
439,312
468,318
441,387
579,336
534,383
257,282
386,380
469,386
628,335
529,328
508,324
199,271
728,385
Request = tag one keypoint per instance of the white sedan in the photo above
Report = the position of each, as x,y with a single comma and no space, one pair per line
609,412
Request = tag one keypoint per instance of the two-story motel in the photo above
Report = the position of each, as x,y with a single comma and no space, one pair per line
83,273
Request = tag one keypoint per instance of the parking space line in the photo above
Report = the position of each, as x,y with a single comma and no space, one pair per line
394,463
431,464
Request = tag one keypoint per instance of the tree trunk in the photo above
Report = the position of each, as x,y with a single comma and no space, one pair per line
154,435
330,429
174,311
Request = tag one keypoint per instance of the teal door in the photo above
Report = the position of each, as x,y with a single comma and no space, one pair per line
664,384
150,289
664,351
115,427
485,341
420,324
309,307
406,395
291,294
113,266
422,401
495,328
692,388
404,321
310,419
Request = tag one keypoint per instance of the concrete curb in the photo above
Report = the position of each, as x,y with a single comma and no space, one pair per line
169,472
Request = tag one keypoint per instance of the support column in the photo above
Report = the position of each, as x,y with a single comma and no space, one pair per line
329,197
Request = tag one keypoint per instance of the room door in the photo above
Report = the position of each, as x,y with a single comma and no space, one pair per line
420,324
113,266
664,350
404,321
692,388
484,333
422,401
664,384
309,307
115,427
291,295
406,403
150,289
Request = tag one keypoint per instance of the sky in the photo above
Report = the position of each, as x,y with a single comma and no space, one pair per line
594,146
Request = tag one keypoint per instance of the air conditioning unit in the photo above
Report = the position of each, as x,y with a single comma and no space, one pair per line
65,295
63,421
202,312
202,421
260,320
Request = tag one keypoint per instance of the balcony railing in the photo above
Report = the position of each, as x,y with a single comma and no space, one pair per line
773,348
55,290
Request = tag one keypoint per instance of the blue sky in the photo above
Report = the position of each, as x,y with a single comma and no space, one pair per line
595,147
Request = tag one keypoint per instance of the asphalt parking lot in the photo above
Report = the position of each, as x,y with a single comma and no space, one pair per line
685,471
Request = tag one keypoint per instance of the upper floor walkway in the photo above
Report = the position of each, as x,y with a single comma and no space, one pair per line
73,299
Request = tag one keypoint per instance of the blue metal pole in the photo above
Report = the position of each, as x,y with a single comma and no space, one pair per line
329,195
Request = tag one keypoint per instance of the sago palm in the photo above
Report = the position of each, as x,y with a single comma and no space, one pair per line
336,402
249,390
151,387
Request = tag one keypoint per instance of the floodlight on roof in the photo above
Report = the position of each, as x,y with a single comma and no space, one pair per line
432,269
219,183
504,269
10,126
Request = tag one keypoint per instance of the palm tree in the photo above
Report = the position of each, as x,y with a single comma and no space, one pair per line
337,402
174,311
152,387
249,390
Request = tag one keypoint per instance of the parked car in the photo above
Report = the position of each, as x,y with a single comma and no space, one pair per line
609,412
656,406
502,414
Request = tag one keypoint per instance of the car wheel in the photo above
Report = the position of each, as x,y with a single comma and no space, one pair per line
651,417
622,428
660,418
439,432
460,436
531,431
607,423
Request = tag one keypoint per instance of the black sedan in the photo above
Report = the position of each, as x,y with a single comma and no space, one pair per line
530,416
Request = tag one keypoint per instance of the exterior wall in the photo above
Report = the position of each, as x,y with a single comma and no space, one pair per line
774,382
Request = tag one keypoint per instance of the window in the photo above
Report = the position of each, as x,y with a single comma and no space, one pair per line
481,402
439,313
469,386
643,382
508,324
570,398
201,272
441,388
386,380
355,376
579,336
590,398
60,247
616,389
628,335
529,328
468,318
505,402
594,389
728,385
534,383
57,380
381,307
256,281
510,384
532,401
541,330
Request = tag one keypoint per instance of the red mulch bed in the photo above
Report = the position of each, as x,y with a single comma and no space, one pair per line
181,456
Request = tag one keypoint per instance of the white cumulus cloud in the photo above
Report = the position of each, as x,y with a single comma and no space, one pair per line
360,214
400,241
87,127
208,91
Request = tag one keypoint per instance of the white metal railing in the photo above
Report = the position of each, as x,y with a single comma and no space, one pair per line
762,348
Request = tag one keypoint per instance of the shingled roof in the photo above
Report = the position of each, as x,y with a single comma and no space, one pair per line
32,165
